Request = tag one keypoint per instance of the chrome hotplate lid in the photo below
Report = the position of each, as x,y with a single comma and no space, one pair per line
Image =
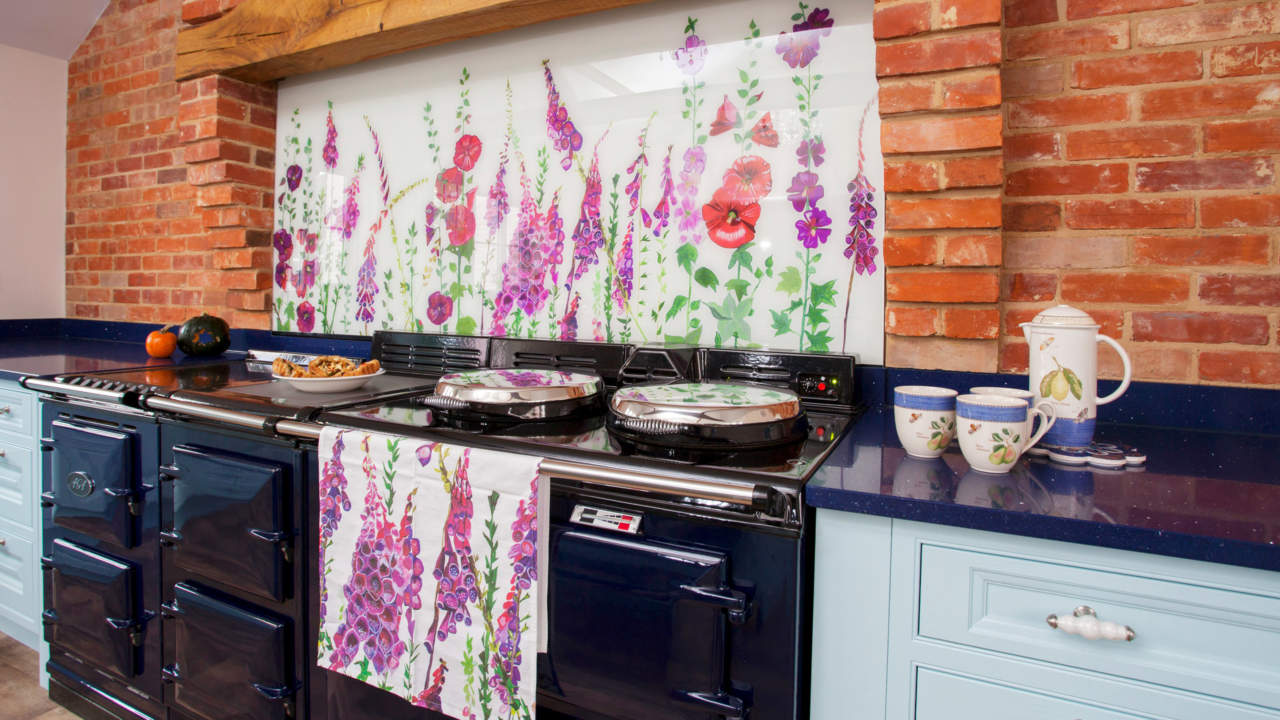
706,403
515,386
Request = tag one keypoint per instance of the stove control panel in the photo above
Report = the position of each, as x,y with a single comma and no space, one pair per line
606,519
823,432
819,386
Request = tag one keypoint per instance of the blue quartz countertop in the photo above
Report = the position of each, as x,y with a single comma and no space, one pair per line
1204,495
54,356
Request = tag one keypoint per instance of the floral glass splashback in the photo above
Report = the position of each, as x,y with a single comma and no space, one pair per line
673,172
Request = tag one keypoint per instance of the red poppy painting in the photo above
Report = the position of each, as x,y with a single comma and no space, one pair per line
730,224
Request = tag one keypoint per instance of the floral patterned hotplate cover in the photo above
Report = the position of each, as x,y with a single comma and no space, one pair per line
709,395
703,173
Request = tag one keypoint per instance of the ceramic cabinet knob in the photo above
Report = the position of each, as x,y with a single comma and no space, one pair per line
1083,621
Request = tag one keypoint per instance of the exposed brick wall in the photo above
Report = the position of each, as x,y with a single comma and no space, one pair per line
1117,155
168,188
938,63
1140,156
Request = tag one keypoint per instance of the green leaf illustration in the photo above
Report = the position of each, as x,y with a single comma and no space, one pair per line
676,306
824,294
1073,381
781,322
467,325
706,278
995,437
738,286
790,281
686,254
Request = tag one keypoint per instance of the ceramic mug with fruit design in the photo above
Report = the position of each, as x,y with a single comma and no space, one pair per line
992,430
1024,395
1063,370
925,418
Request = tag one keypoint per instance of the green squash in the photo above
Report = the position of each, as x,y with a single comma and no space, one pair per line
204,336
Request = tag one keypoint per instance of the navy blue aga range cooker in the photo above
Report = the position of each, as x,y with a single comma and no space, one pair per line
679,558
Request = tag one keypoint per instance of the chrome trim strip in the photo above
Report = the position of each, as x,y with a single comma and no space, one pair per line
204,412
56,388
737,493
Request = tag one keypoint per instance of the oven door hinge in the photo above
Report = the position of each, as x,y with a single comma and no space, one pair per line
282,694
730,707
735,601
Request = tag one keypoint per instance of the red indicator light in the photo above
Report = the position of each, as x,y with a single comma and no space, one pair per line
822,431
822,386
624,526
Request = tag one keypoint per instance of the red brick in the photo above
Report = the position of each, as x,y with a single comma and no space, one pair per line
906,176
1248,59
1137,69
904,250
899,20
940,134
972,250
1244,211
963,13
970,172
913,321
943,212
1031,147
1014,357
1201,327
947,52
1067,180
899,96
1254,368
1138,288
1021,80
1072,110
1077,9
1252,290
980,90
1065,251
1207,174
1261,134
1202,25
949,286
972,323
1139,142
1130,213
1032,217
1019,13
938,352
1210,100
1067,40
1202,250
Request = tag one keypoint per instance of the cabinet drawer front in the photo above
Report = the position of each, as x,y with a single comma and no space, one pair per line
1197,637
19,595
17,484
943,696
15,411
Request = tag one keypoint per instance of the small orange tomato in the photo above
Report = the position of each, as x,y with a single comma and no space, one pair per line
161,343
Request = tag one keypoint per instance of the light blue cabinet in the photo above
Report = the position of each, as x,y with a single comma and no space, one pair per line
931,622
20,579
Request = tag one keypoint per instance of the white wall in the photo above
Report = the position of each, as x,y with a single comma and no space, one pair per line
33,177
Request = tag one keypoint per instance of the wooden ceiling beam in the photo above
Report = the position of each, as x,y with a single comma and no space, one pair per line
264,40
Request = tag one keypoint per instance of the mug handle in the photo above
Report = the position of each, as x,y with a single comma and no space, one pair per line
1128,370
1046,421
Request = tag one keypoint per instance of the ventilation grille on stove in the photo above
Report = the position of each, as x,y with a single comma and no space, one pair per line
651,364
603,359
430,355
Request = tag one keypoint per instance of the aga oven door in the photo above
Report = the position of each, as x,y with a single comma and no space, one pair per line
638,627
230,661
231,520
92,607
94,481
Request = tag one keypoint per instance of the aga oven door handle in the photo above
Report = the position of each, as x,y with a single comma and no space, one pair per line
130,497
282,540
730,707
735,601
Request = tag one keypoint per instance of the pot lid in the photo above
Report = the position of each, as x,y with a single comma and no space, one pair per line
707,403
1064,315
516,386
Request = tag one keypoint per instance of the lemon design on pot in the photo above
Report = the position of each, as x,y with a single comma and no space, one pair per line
1057,383
1004,452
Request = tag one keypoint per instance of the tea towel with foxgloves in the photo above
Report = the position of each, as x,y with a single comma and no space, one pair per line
429,566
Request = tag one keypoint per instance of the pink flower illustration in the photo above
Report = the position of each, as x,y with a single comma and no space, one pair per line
306,313
330,152
466,152
439,308
461,224
692,56
799,48
731,224
449,185
748,179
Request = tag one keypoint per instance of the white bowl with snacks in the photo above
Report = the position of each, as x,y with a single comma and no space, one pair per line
326,374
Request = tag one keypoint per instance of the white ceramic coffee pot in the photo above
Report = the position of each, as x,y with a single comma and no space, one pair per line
1063,370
